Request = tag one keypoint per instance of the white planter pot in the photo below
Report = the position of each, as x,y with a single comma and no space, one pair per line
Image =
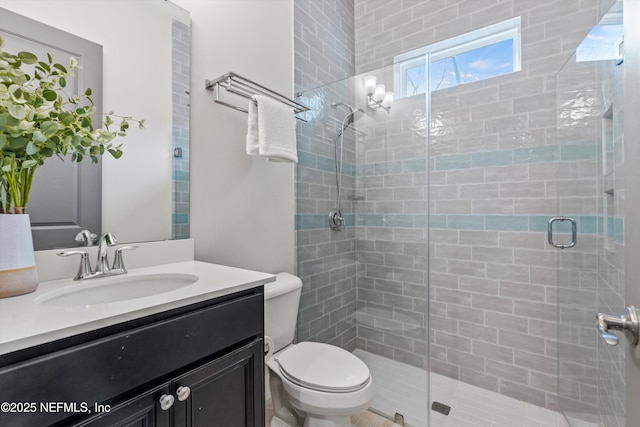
18,274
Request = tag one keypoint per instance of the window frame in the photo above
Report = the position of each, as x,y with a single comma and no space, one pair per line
509,29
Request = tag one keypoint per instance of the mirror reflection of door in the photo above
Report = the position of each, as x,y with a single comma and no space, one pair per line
66,196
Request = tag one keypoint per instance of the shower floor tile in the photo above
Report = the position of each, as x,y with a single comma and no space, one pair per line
365,419
402,388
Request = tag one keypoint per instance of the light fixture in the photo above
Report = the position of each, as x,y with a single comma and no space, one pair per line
377,96
370,84
387,101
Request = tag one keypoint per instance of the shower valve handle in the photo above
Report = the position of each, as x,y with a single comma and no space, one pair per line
336,221
628,321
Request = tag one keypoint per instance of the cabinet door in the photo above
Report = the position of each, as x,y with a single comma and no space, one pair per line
228,391
143,410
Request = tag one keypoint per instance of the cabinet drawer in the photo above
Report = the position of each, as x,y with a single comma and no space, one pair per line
103,369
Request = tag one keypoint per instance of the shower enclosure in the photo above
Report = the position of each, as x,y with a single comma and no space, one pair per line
591,190
366,281
443,266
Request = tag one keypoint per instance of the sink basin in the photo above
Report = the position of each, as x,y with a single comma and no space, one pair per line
116,288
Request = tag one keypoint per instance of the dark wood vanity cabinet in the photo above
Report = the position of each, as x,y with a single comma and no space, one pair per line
195,366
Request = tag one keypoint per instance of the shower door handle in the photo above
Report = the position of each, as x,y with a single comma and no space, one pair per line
574,232
628,322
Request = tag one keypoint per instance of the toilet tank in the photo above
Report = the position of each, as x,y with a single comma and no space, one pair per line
281,301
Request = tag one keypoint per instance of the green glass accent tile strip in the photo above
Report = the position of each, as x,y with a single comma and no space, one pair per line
578,152
180,218
524,223
179,175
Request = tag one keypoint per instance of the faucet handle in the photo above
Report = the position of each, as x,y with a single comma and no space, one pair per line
109,239
87,238
84,268
118,263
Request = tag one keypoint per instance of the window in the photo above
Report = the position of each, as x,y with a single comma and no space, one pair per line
488,52
604,41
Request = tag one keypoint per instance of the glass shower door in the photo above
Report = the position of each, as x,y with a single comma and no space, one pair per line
590,190
365,285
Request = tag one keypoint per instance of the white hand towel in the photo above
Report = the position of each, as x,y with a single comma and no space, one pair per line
272,125
252,129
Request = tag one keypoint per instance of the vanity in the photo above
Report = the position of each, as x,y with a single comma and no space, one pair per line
191,355
170,343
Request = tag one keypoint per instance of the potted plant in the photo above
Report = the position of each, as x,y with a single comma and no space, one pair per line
38,120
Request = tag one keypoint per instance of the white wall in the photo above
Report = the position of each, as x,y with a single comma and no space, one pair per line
242,207
136,40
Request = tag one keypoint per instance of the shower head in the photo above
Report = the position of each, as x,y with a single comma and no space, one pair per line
355,114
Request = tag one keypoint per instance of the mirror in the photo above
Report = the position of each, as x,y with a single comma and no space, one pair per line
145,74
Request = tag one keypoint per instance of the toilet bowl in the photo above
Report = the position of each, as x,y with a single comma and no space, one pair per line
323,383
312,384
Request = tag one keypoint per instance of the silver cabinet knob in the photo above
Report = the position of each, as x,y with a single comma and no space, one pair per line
183,393
166,401
627,321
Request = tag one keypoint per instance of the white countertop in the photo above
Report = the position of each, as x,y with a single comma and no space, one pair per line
25,323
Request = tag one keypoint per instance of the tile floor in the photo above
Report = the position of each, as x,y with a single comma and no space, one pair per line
365,419
402,388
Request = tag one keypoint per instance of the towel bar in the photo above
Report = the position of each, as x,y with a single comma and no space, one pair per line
246,88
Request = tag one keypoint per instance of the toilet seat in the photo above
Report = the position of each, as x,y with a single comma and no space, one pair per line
323,367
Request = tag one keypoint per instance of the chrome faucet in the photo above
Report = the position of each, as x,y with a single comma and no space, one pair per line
86,237
102,262
102,268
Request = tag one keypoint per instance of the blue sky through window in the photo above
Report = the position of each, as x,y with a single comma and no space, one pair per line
601,43
487,52
478,64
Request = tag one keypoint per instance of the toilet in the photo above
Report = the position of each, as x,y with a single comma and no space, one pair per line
312,384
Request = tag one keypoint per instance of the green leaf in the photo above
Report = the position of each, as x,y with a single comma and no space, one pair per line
50,95
88,92
61,68
76,140
29,163
18,111
66,118
28,57
49,128
17,144
45,66
31,148
85,122
115,153
37,137
49,58
62,82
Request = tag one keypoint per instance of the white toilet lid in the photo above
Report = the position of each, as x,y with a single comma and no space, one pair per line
323,367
